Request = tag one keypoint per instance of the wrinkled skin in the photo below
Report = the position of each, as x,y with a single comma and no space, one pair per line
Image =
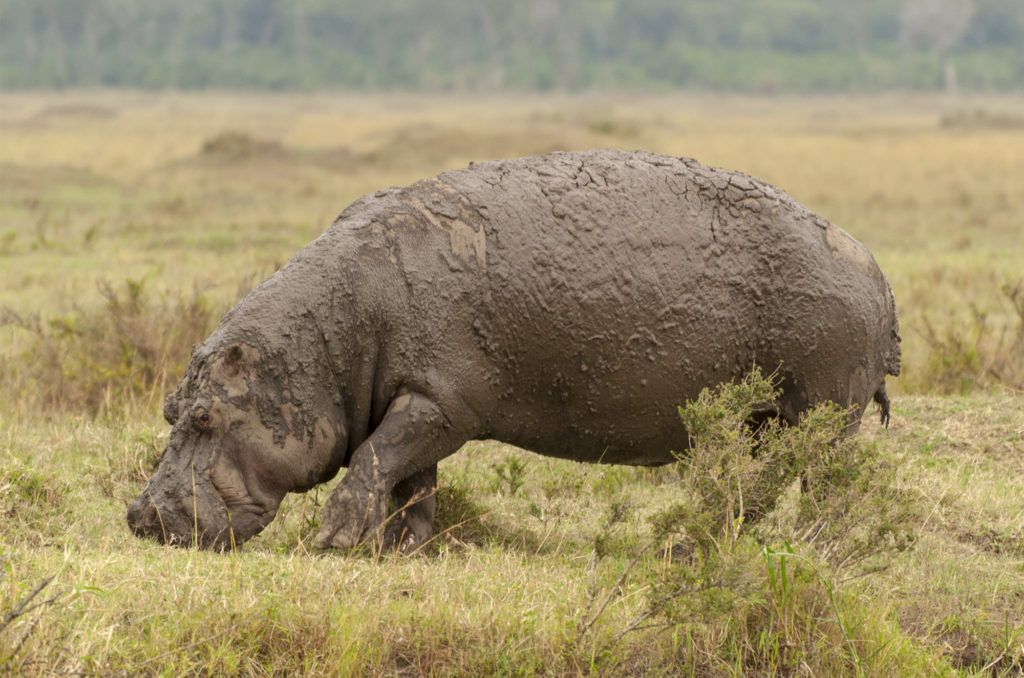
563,303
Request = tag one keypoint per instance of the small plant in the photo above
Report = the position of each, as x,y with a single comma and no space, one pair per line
459,516
29,496
13,633
735,469
511,475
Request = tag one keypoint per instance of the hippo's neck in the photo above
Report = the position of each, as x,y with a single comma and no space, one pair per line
314,322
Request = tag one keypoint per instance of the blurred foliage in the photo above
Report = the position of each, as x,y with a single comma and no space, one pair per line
980,350
756,45
131,350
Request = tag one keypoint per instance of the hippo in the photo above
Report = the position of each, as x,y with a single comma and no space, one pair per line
564,303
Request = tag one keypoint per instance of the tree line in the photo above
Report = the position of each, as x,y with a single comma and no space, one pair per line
483,45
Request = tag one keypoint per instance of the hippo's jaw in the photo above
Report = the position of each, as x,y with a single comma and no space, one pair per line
177,525
148,520
213,493
204,505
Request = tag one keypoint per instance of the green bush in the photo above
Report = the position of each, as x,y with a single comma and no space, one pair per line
771,521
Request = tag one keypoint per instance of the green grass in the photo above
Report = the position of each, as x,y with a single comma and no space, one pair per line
541,566
550,578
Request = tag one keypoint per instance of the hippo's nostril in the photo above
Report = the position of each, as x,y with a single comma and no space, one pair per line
144,520
133,516
150,517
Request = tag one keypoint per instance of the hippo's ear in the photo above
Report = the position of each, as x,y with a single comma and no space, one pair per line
171,408
234,361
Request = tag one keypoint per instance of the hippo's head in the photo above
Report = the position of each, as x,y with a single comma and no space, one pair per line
244,435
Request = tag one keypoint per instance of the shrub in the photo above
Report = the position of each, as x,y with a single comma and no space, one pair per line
979,351
124,353
771,522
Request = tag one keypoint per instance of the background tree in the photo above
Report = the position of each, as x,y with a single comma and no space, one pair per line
767,45
937,25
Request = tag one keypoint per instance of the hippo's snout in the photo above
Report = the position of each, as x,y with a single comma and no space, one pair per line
187,520
147,520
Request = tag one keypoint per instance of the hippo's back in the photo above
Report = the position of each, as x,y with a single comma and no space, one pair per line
613,286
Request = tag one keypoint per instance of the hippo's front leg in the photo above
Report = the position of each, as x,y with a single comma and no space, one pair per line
413,436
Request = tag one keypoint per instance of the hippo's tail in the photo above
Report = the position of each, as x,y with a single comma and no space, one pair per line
882,399
891,357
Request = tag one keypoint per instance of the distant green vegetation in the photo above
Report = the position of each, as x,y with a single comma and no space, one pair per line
750,45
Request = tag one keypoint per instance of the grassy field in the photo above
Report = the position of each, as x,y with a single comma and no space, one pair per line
130,222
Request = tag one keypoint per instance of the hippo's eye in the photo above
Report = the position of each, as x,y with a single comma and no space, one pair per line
202,419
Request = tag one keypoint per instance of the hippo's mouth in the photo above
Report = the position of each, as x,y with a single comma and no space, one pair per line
151,522
222,523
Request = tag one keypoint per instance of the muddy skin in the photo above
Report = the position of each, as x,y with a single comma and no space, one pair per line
564,303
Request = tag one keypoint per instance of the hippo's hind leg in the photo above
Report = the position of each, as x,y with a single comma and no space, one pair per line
413,436
413,519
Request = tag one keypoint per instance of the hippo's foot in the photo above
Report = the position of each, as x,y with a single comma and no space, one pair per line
351,517
405,535
410,527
